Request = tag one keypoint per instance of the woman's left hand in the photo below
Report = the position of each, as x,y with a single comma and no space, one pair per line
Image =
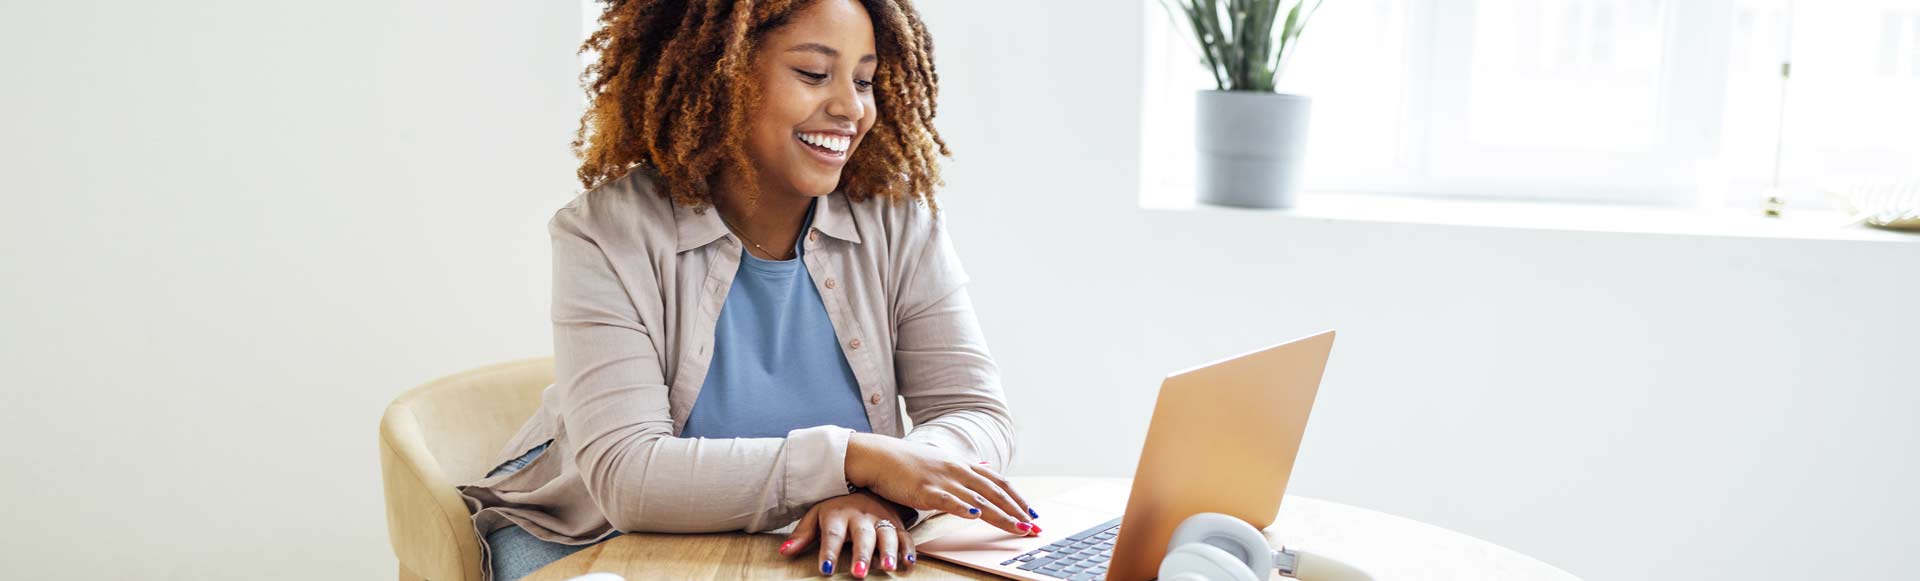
856,517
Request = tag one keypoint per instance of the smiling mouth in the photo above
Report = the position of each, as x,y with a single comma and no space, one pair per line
827,144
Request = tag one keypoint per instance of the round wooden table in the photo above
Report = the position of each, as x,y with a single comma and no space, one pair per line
1385,546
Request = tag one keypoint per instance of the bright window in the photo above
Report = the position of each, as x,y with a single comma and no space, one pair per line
1653,102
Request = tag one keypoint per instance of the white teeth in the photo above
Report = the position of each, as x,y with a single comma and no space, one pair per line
836,143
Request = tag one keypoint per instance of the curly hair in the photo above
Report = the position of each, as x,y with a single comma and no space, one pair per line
672,93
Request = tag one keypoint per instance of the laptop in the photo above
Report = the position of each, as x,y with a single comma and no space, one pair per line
1222,439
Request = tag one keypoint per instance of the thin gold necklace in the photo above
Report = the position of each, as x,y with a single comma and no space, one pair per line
743,236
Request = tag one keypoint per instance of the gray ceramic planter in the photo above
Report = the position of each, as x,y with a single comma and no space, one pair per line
1250,147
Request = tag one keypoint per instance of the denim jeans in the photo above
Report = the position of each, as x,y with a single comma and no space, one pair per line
515,552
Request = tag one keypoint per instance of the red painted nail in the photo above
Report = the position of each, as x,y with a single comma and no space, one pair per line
786,546
1036,529
887,562
1024,527
860,569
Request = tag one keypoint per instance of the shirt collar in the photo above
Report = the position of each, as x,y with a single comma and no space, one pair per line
697,226
833,216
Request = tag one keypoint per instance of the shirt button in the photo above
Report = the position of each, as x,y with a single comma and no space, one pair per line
874,399
854,343
829,283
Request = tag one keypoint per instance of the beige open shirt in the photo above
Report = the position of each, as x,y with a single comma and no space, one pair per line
638,283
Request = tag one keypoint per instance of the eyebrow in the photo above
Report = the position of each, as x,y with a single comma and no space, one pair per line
826,50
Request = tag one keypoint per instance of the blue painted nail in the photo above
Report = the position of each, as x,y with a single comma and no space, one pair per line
913,558
1032,514
826,568
973,511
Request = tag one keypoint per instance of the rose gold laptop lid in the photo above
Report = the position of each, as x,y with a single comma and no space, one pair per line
1222,439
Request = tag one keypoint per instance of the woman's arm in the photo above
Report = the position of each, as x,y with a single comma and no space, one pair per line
949,381
613,406
952,391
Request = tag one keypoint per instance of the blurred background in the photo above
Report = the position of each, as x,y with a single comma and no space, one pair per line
234,231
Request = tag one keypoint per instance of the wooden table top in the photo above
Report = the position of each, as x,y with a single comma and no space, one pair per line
1385,546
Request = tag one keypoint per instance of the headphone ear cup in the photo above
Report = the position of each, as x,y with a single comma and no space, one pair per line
1203,562
1232,537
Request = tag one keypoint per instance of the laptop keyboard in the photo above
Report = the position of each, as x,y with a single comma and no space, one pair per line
1079,557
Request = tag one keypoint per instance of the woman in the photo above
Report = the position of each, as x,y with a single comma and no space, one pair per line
755,274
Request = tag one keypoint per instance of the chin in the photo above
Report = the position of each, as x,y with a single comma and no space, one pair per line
814,188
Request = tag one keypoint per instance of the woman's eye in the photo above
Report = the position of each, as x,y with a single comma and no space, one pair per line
864,85
812,77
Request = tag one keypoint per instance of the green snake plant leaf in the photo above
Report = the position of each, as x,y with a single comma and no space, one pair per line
1237,39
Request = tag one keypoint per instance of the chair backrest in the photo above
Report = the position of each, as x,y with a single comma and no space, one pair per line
445,433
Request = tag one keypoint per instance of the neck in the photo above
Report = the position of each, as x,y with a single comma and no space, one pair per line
773,221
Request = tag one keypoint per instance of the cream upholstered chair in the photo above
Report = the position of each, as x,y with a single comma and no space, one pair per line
439,434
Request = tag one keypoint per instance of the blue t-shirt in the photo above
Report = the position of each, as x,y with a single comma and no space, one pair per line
777,365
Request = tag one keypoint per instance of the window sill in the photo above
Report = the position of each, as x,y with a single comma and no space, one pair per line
1794,224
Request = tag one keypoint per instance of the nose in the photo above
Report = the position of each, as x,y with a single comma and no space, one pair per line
845,102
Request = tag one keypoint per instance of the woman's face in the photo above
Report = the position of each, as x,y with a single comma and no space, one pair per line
816,86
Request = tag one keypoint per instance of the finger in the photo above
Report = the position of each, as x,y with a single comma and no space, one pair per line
863,540
992,515
833,533
909,553
888,550
946,502
803,533
987,472
998,497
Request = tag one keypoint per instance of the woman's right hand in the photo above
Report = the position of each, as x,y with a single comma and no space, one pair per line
926,477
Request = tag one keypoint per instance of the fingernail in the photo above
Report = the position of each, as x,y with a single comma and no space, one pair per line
1024,527
826,568
913,558
1032,514
887,562
860,569
985,462
973,511
784,547
1036,529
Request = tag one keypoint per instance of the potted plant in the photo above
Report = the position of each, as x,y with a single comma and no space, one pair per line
1250,139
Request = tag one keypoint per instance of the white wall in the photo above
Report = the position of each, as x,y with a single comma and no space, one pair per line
232,232
235,231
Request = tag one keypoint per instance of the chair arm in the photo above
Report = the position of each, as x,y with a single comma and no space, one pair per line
427,523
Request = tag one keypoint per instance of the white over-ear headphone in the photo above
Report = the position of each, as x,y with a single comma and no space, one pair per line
1215,547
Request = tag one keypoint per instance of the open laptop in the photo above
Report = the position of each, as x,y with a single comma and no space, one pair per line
1222,439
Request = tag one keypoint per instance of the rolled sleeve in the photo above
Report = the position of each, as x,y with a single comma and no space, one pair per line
816,467
946,375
